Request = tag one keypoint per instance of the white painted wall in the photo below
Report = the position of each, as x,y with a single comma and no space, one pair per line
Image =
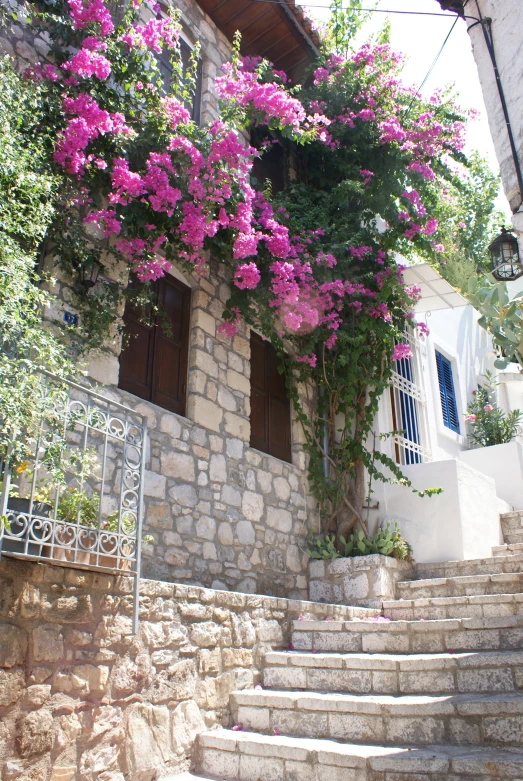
511,389
456,334
504,463
461,523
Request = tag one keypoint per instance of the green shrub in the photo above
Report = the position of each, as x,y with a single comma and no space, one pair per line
385,542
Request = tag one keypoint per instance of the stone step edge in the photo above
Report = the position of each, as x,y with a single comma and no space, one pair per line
392,662
414,625
512,514
468,599
408,705
187,777
494,577
315,751
458,563
499,550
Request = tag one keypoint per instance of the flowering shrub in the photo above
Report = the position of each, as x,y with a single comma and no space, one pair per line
488,425
314,266
28,191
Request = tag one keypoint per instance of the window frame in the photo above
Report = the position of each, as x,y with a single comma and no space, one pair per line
448,365
267,444
152,390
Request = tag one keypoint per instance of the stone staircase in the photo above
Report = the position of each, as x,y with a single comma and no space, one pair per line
432,691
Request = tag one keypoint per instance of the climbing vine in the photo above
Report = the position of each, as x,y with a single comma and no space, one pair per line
315,266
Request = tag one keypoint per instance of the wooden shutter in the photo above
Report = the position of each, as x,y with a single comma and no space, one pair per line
171,345
153,363
447,393
136,357
270,406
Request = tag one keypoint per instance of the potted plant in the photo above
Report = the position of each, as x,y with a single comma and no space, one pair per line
495,450
110,542
25,521
75,537
489,425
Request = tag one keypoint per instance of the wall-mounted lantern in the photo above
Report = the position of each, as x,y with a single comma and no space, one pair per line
88,274
504,254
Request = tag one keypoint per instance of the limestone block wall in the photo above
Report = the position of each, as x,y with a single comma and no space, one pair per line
82,699
366,581
222,514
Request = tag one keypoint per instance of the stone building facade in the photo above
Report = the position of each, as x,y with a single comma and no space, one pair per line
220,513
503,21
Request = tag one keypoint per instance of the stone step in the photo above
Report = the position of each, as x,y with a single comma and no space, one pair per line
484,671
244,756
460,719
511,524
416,637
474,606
508,548
462,585
187,777
488,566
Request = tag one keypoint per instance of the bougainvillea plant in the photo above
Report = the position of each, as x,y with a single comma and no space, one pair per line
314,266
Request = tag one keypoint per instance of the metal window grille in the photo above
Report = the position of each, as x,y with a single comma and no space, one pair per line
79,502
409,408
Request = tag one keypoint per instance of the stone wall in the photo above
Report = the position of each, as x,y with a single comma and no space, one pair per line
366,581
220,513
507,23
82,699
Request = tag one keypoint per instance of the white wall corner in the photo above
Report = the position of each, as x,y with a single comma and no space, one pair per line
460,523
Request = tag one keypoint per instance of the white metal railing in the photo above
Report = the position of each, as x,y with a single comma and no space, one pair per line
78,499
409,408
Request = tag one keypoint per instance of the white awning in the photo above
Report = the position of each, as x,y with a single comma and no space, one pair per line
436,292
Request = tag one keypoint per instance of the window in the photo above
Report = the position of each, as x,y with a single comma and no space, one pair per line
166,70
409,408
447,393
271,165
153,362
270,406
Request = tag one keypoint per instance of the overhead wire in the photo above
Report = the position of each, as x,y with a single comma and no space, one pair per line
434,62
350,8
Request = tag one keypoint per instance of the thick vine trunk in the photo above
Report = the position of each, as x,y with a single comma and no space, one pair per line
351,512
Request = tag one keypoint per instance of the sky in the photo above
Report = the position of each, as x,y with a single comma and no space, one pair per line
420,38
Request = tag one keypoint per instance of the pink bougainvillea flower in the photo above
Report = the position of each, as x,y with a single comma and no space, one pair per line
247,276
401,351
86,63
96,11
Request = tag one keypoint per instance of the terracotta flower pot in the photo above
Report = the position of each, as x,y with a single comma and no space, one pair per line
110,560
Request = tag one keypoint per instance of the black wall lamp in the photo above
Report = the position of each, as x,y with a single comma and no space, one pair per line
504,254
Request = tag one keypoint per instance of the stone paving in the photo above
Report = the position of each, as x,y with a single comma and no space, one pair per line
431,691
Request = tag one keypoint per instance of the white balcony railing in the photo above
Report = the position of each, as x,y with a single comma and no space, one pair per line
78,499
